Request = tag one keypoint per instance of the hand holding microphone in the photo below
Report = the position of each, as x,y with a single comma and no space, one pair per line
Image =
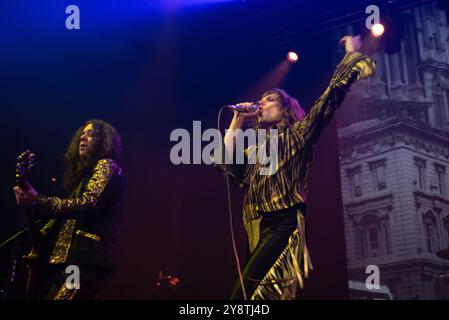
245,109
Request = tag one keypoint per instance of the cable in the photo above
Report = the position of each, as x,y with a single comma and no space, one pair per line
18,234
234,246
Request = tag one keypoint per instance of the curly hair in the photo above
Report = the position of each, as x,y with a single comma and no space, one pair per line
106,143
294,112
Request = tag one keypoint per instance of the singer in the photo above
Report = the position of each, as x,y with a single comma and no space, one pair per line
83,229
274,206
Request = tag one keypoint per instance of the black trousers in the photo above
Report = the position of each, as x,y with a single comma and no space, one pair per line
275,230
92,279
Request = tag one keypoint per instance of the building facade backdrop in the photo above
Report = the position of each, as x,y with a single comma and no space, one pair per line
394,160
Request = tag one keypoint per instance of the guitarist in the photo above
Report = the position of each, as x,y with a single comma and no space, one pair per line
86,224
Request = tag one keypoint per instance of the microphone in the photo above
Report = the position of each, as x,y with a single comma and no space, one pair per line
252,108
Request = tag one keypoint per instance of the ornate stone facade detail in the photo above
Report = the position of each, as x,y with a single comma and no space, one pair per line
394,128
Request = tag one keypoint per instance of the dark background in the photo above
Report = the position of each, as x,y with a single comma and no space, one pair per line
149,68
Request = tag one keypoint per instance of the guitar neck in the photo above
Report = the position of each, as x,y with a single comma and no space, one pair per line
33,230
23,165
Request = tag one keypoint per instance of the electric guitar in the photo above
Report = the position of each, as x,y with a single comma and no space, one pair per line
24,163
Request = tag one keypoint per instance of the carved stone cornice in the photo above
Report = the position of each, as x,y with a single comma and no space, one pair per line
391,133
433,66
438,203
379,205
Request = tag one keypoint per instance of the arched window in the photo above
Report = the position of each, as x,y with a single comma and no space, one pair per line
440,172
354,177
378,172
421,171
371,236
446,229
439,101
430,232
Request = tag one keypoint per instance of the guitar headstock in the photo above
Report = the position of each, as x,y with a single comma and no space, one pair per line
24,163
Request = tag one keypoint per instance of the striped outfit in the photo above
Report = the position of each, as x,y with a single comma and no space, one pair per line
267,195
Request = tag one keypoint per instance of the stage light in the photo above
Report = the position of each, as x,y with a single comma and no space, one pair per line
377,30
292,57
386,35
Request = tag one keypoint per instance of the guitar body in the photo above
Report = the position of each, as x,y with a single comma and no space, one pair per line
31,258
37,264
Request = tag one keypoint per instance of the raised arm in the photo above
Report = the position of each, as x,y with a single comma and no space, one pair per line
354,66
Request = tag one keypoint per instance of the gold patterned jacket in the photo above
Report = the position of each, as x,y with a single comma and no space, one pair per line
86,225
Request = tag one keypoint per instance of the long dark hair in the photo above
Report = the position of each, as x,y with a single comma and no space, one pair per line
293,111
106,144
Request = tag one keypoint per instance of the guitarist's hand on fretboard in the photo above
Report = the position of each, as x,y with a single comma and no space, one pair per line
25,196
